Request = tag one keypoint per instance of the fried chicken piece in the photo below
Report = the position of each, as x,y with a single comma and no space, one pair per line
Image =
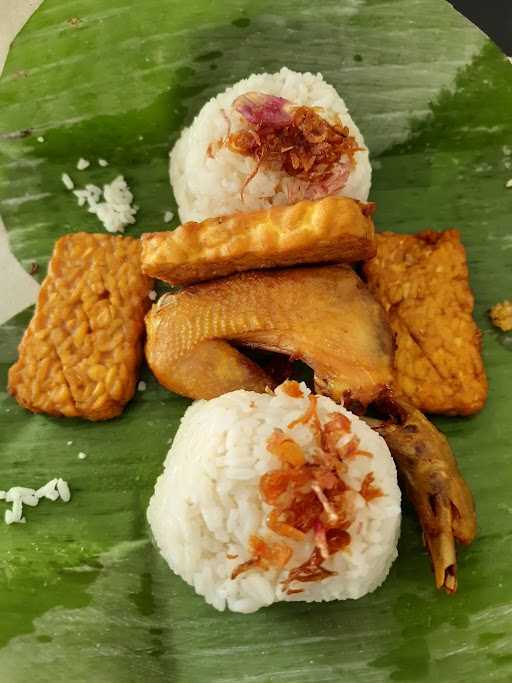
334,229
210,368
501,315
324,316
422,282
432,480
80,353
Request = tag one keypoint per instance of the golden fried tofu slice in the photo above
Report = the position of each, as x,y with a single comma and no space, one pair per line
80,353
333,229
422,282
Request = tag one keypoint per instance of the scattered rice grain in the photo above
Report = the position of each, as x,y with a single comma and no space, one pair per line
116,210
68,183
82,164
63,489
48,490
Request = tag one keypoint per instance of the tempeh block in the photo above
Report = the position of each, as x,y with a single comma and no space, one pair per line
80,353
422,281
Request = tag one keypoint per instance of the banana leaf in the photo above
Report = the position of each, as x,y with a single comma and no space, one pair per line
84,595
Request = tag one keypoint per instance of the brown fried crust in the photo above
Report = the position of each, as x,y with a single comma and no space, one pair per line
80,352
333,229
422,282
322,315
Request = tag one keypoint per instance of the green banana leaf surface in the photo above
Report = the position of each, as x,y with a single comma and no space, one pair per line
84,595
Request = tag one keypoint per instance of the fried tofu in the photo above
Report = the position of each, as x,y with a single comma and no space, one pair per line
80,353
422,282
333,229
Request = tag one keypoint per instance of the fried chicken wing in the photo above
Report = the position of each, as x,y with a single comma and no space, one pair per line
324,316
439,494
422,282
334,229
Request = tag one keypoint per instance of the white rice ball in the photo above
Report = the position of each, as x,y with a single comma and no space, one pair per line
206,186
207,503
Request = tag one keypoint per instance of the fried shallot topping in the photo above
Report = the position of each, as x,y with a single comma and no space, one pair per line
292,388
316,154
310,418
264,555
309,495
368,491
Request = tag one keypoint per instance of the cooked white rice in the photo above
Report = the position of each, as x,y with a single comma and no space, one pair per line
206,187
207,503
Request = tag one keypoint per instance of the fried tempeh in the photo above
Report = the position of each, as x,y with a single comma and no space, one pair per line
501,315
422,282
80,353
334,229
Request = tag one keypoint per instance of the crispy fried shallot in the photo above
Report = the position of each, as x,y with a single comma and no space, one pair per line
307,496
317,155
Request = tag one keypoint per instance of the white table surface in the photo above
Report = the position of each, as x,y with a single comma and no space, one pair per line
17,288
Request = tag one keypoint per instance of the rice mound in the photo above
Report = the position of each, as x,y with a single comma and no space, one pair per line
207,504
206,187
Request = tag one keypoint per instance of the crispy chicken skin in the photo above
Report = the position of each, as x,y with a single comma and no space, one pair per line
324,316
435,487
422,282
334,229
212,367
